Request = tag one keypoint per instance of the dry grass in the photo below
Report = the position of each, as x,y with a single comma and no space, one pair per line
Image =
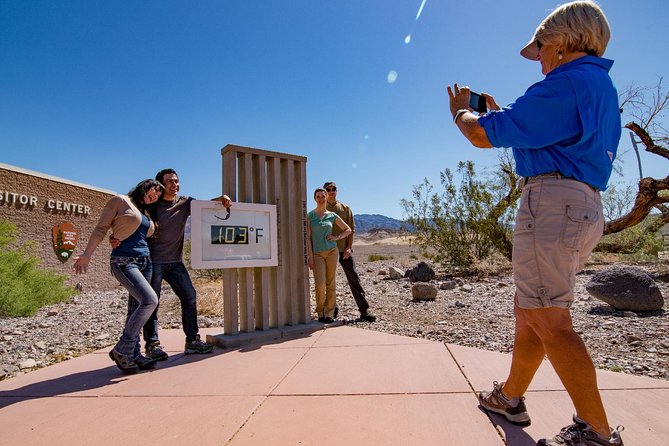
377,257
209,296
496,265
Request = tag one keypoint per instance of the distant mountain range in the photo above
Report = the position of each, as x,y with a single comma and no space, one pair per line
363,223
366,222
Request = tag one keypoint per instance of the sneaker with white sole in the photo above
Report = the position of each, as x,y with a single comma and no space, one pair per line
581,434
123,362
198,346
145,363
155,352
513,409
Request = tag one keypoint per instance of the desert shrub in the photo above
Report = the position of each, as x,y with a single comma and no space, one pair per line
640,240
24,287
455,225
377,257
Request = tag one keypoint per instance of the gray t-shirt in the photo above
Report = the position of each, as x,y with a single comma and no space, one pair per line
167,243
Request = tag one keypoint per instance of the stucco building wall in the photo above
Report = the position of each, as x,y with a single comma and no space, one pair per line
36,203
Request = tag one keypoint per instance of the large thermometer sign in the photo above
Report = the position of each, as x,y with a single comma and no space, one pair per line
243,236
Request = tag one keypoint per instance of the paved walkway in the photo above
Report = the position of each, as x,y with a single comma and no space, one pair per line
338,386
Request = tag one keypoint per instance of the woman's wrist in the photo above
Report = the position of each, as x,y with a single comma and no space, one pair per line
459,113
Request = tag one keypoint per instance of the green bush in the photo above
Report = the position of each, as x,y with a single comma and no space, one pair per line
24,287
460,225
639,240
377,257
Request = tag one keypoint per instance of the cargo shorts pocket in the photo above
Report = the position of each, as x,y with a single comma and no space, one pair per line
525,220
579,222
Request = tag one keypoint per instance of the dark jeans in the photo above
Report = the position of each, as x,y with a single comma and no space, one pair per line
348,265
134,273
176,275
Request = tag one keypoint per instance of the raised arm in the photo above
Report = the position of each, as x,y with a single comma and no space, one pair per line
465,119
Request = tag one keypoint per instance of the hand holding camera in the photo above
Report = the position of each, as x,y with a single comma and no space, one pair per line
477,102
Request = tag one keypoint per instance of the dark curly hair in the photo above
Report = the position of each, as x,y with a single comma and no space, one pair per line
137,193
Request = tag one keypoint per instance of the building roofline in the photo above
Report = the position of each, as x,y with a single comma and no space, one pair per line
54,178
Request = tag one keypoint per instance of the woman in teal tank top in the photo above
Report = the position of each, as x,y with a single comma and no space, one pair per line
322,254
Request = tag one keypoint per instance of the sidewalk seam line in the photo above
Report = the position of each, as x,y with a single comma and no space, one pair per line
265,397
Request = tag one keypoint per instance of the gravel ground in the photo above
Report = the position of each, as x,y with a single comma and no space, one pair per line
477,313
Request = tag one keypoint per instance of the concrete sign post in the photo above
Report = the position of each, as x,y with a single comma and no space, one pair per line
265,277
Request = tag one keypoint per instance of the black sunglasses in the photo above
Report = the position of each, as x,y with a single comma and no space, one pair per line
331,189
539,44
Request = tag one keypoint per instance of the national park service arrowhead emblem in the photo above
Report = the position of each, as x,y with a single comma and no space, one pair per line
64,240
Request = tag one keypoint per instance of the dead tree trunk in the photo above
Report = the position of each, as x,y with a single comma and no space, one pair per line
650,191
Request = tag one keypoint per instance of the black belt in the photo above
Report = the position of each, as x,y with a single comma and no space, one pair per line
556,175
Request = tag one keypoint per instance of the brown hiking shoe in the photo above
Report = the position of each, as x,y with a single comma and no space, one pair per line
513,410
581,434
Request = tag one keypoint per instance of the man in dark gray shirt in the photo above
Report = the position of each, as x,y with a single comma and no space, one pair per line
170,213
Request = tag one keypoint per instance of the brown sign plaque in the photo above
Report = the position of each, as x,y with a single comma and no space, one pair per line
64,238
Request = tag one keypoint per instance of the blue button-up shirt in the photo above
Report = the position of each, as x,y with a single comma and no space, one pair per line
568,123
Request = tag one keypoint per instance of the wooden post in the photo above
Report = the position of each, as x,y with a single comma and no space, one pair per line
268,297
230,306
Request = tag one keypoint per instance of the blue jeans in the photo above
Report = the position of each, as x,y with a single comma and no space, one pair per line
176,275
134,273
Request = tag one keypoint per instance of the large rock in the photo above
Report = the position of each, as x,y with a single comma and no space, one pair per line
420,273
395,273
626,288
423,291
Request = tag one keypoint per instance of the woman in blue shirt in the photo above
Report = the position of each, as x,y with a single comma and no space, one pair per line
564,132
129,221
322,254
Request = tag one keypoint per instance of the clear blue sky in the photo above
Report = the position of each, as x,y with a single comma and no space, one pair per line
108,92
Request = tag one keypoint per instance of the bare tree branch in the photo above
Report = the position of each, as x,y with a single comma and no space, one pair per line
651,191
647,198
647,140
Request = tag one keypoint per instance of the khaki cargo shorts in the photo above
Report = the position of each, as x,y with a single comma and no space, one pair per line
559,222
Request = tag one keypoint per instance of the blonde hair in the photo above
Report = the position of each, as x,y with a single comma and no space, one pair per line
578,26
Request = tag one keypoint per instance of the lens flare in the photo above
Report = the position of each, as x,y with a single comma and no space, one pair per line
420,10
407,39
392,76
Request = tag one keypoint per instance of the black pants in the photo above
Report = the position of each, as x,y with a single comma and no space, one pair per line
348,265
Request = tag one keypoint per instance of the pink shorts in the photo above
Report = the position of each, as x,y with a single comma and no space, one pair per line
559,222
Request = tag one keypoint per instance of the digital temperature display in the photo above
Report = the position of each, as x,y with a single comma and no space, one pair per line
229,235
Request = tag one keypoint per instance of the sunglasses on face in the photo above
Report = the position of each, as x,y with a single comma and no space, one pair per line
331,189
539,44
